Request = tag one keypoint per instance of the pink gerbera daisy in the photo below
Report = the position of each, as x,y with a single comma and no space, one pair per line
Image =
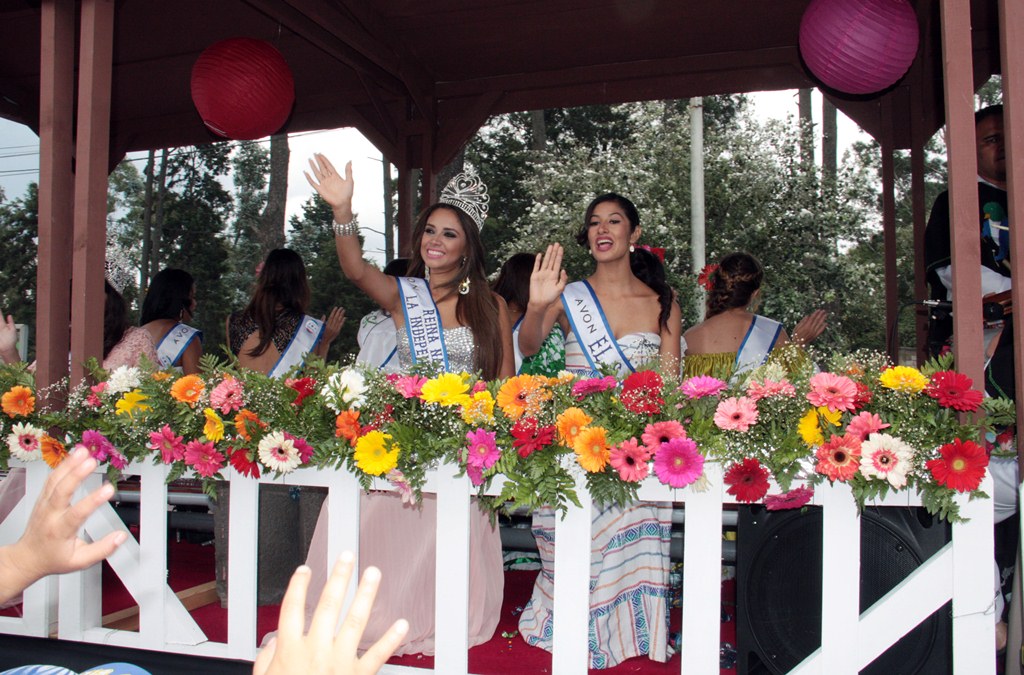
768,388
865,424
304,449
793,499
410,386
203,458
630,459
701,386
839,457
584,388
227,396
837,392
482,451
170,445
677,463
736,414
661,432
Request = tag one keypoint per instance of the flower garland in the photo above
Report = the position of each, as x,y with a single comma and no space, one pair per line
873,426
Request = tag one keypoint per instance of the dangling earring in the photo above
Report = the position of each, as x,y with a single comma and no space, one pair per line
631,248
464,287
426,274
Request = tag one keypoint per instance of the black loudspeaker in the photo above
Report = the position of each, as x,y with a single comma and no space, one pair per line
778,591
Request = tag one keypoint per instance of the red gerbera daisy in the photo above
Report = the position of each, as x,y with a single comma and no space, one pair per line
641,393
530,436
747,480
244,464
953,390
961,465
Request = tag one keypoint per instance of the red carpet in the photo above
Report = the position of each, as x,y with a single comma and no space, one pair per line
192,564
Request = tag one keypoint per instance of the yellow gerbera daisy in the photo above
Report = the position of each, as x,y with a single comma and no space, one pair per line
214,427
372,454
130,402
904,378
570,423
809,428
446,389
480,409
591,447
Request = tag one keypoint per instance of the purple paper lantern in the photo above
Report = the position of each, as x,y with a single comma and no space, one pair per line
242,88
859,46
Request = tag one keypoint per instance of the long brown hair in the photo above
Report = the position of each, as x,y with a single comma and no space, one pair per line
282,287
477,309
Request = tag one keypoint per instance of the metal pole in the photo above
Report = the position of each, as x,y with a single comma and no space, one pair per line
696,108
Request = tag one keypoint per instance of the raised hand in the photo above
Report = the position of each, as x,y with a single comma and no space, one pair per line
50,544
331,185
323,651
810,327
8,339
333,323
548,279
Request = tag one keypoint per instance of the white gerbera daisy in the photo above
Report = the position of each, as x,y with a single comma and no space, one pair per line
887,457
278,453
25,441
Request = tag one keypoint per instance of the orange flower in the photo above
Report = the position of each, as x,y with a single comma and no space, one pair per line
53,451
18,401
188,389
591,447
243,419
160,376
570,423
522,394
347,425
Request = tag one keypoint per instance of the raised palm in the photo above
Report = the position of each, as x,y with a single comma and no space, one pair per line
548,279
335,188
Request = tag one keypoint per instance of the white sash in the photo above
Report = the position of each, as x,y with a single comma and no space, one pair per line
515,343
305,339
422,322
594,335
757,344
376,340
174,344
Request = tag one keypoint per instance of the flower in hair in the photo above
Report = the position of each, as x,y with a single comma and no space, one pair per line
704,278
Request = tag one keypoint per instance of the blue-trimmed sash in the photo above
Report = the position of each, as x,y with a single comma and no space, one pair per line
376,340
174,344
422,322
594,335
303,341
757,344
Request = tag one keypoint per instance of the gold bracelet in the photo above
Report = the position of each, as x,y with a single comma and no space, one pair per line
346,229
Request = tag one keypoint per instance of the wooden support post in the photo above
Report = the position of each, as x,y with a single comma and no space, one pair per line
963,189
56,190
93,152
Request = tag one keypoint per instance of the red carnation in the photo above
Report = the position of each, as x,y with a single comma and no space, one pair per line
953,390
747,480
961,465
863,396
641,393
244,464
303,387
530,436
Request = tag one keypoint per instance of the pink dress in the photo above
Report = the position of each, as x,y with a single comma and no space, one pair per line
135,343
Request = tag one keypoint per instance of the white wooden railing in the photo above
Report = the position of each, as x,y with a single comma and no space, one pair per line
961,571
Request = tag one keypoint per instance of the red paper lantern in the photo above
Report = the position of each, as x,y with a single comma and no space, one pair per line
242,88
859,46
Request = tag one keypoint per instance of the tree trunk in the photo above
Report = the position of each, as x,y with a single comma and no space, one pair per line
539,131
147,225
806,129
271,223
829,142
158,223
389,217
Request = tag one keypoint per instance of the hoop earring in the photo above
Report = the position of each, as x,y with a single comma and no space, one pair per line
464,287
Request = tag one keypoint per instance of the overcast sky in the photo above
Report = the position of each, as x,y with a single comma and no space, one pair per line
19,160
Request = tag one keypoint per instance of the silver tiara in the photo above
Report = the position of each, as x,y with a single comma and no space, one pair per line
469,193
118,267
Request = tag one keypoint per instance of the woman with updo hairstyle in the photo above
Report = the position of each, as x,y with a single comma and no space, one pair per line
732,339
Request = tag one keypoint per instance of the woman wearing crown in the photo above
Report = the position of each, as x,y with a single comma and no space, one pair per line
613,322
445,313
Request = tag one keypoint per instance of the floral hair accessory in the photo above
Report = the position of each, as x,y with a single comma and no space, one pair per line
656,250
704,277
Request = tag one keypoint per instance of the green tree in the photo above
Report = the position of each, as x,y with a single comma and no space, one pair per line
19,227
